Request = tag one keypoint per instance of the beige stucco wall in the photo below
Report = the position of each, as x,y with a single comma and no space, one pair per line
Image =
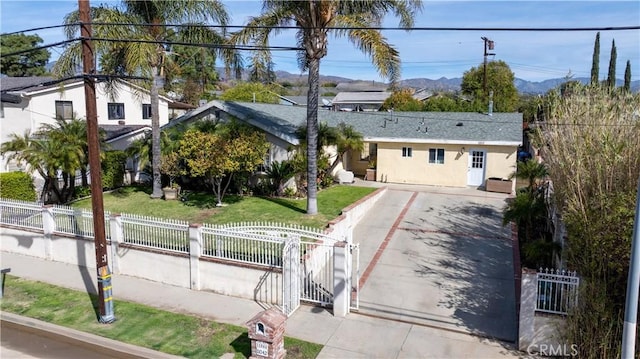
392,167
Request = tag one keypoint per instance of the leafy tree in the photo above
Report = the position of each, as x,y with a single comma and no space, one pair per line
217,157
531,107
26,64
148,58
611,78
314,20
595,65
448,103
251,92
402,100
627,77
193,73
261,68
592,151
499,80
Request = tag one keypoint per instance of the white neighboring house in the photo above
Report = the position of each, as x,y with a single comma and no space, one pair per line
29,102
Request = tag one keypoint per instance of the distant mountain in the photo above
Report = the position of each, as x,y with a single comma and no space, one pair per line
453,84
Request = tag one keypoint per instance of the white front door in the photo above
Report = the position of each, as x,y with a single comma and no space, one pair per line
475,170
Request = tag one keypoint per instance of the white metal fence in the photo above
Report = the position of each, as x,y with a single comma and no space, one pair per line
557,291
160,233
230,243
21,214
76,221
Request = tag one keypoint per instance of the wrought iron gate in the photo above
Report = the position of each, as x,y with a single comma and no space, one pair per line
290,275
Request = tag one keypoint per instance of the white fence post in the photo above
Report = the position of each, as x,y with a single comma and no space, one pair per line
117,237
195,252
528,294
48,227
341,289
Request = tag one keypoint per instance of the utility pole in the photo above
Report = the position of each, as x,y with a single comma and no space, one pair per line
633,285
105,302
488,45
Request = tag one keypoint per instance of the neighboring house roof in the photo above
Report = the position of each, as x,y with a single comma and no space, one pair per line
302,100
402,127
9,83
181,105
359,86
423,94
360,98
33,85
115,132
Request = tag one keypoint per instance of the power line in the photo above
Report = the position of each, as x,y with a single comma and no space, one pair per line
377,28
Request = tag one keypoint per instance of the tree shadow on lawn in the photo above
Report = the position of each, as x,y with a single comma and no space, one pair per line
124,192
285,203
207,200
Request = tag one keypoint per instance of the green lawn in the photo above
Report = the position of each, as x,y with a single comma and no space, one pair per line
200,207
136,324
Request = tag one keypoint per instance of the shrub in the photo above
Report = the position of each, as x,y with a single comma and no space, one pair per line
81,192
17,185
113,169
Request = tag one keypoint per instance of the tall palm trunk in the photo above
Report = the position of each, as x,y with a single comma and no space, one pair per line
312,136
155,135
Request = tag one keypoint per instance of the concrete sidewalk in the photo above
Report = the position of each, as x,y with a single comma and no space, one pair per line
356,336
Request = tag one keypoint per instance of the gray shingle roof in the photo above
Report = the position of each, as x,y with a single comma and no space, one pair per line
441,127
360,97
115,131
23,83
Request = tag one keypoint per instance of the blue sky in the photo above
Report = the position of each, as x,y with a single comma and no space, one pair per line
533,56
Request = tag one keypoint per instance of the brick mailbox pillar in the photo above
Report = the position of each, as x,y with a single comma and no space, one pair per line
266,332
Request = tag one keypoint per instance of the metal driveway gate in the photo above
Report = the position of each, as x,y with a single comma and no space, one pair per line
316,275
290,275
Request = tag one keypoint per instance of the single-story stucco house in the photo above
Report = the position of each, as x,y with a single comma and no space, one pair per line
431,148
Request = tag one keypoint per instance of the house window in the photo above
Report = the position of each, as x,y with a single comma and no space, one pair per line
436,155
146,111
406,152
64,109
116,111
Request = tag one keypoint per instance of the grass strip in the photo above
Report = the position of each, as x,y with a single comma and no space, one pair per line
201,207
173,333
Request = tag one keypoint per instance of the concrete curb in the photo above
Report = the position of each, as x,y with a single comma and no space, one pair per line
94,342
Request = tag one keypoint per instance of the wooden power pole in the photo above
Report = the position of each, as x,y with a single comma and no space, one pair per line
105,302
488,45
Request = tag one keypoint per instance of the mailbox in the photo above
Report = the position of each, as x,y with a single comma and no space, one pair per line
266,332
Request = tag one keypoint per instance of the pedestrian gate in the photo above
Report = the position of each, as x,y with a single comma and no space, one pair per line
290,275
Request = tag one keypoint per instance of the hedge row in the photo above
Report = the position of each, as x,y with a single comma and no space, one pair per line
17,185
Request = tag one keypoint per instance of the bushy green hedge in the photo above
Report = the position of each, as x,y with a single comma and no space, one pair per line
17,185
113,169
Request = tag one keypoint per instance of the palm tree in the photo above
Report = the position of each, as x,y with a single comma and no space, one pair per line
54,147
147,57
348,140
315,19
532,171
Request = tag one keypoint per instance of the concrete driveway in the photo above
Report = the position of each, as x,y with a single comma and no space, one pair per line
439,257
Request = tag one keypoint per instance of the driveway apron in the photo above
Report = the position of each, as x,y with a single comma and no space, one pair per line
440,259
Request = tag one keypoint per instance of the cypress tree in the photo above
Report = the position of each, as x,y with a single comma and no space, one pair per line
611,79
627,77
595,65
